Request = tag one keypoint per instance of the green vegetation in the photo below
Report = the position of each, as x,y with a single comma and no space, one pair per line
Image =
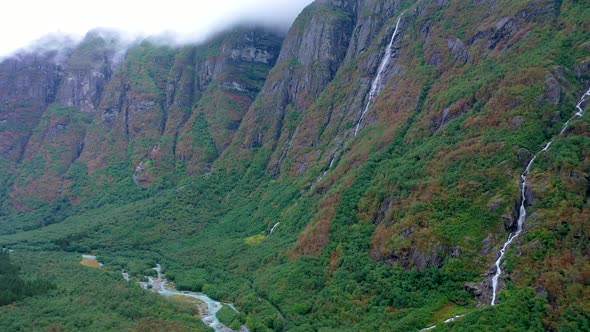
229,317
82,298
13,286
147,67
202,138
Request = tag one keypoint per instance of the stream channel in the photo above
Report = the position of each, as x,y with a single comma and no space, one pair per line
162,286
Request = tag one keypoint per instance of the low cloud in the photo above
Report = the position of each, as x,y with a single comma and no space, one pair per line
178,21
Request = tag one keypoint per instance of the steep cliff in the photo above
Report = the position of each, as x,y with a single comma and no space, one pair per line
29,83
104,114
310,56
237,75
58,139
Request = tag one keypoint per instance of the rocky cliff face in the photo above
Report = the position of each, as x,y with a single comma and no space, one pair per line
88,70
28,83
236,77
58,137
142,110
325,40
310,56
438,76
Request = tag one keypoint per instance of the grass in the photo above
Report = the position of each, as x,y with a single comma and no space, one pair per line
90,262
254,239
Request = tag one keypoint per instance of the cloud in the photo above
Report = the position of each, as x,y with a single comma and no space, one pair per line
25,21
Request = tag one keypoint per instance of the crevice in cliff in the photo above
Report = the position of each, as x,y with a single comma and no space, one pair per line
23,149
164,120
174,143
192,86
127,123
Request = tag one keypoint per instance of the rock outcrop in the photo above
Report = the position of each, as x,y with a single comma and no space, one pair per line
28,83
103,106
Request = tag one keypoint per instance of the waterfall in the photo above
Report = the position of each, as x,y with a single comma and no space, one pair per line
523,186
452,319
329,167
158,270
377,84
273,228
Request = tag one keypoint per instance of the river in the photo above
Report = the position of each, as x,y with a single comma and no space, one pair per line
162,286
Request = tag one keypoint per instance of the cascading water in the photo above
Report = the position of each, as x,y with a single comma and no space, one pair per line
273,228
377,84
452,319
523,184
329,167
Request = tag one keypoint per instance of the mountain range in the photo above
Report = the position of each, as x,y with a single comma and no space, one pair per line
360,172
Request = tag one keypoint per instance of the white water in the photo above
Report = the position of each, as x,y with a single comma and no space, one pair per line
329,168
212,307
161,286
453,318
377,84
445,321
331,164
158,270
523,184
274,227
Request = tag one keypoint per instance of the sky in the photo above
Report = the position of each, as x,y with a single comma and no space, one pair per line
23,22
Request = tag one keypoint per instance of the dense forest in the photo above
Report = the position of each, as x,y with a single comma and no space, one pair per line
13,286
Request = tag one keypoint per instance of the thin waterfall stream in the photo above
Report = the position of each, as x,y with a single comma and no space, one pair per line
522,211
274,227
452,319
523,185
377,84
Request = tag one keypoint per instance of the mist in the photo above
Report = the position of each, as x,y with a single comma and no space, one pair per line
26,22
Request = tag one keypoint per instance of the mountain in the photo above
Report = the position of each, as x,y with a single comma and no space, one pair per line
360,172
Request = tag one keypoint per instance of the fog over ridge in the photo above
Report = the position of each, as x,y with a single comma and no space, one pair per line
41,25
